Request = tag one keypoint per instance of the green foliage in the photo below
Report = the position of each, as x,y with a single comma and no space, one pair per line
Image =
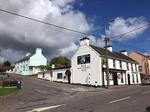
8,91
48,67
60,61
42,67
6,63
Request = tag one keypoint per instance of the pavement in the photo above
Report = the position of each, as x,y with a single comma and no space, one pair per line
44,96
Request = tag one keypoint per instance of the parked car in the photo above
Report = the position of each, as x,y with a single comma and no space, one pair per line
146,81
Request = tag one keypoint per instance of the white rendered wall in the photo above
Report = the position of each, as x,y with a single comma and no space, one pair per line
90,73
64,77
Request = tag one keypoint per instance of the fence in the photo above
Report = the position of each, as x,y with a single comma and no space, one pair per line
9,81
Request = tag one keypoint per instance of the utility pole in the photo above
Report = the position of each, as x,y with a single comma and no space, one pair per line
106,60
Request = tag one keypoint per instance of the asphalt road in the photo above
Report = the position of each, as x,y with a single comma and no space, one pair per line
130,99
44,96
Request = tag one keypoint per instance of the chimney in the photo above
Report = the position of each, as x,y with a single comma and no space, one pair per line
84,41
109,47
53,66
124,52
38,50
27,54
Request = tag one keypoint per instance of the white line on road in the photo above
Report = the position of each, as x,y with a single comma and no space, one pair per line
146,92
45,108
120,99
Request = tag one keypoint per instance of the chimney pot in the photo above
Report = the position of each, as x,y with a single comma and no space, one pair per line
39,50
84,41
124,52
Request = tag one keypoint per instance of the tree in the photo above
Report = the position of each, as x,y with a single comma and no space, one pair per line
60,61
6,63
42,68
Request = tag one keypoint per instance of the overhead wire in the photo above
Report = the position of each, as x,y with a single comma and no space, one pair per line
43,22
72,30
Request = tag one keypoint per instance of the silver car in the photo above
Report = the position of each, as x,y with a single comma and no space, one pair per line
146,81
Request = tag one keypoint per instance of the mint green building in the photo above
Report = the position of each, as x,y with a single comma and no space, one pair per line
29,65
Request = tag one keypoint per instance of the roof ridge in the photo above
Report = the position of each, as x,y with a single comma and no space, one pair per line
113,54
142,54
25,58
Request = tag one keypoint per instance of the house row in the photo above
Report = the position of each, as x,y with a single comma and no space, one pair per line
88,67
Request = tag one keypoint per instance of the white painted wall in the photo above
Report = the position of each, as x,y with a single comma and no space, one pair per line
89,73
92,72
45,76
64,77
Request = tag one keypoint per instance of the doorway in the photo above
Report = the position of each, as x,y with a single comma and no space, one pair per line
115,78
129,79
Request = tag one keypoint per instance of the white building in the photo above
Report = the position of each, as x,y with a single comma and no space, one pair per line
45,75
57,75
88,66
29,65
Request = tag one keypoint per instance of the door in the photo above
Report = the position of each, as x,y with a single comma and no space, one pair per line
129,79
115,78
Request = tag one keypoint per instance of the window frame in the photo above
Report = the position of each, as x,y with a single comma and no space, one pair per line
87,59
59,74
114,63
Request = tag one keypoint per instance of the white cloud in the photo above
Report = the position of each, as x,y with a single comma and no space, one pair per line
97,41
71,48
121,26
27,34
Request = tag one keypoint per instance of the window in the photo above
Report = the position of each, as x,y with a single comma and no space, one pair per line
137,79
83,59
127,66
120,64
59,76
133,78
132,67
122,80
114,63
140,68
135,68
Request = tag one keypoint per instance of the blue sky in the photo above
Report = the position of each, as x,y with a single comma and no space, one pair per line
104,11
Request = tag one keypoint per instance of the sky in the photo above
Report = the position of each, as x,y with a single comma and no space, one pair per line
96,18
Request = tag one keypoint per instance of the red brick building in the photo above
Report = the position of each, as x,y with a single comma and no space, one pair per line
143,60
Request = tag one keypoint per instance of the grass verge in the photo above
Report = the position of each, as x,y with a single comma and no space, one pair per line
8,91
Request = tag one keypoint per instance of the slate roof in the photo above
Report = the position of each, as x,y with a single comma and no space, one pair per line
25,58
147,56
64,67
117,55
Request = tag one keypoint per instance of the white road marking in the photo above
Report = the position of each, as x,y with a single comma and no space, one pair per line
120,99
146,92
45,108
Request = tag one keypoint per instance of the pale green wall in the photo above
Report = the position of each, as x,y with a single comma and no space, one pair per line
36,60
